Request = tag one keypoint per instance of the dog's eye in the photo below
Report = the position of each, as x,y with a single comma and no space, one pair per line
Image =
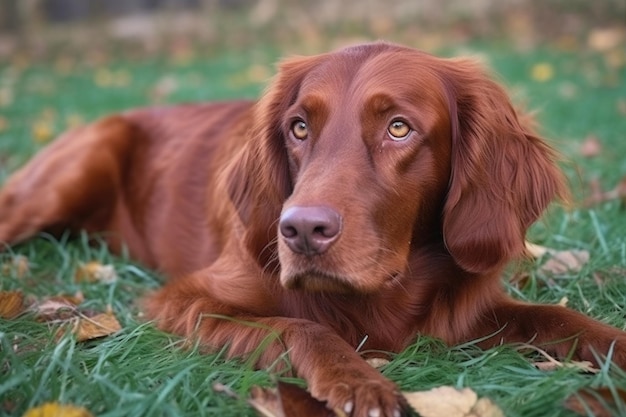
299,130
398,130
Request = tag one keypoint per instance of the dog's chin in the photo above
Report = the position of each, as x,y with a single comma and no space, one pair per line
319,282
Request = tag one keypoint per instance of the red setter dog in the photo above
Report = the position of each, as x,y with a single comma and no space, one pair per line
371,195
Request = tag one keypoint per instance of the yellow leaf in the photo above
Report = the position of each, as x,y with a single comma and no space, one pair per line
450,402
42,131
542,72
95,272
57,410
11,304
103,78
88,328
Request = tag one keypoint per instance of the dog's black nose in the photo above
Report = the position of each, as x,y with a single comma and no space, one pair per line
310,230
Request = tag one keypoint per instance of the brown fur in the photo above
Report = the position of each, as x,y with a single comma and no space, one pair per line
428,223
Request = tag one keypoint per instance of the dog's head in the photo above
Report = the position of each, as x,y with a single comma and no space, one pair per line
359,157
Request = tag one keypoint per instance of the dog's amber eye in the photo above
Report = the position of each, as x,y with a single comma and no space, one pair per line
299,130
398,130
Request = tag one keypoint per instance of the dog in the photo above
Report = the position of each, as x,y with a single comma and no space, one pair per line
370,195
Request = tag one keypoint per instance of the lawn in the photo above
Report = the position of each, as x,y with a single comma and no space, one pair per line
580,98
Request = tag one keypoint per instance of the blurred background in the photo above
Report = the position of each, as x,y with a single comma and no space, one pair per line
66,62
38,28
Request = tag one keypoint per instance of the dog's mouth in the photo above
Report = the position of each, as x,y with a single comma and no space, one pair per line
315,281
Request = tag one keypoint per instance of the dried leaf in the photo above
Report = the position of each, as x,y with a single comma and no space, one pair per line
605,39
600,402
288,400
17,266
550,363
582,366
534,250
591,147
598,196
58,308
11,304
377,362
89,328
450,402
95,272
57,410
560,262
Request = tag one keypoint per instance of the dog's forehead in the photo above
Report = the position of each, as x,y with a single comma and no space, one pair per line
373,69
353,77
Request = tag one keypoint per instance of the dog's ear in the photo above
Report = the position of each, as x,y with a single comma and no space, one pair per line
258,180
503,175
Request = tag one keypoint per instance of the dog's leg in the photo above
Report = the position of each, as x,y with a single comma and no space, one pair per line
71,183
559,330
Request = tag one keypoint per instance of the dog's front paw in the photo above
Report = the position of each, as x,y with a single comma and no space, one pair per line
361,393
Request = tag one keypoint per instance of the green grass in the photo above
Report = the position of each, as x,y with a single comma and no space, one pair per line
141,371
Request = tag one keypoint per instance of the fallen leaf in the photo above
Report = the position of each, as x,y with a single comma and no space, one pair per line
617,193
591,147
542,72
534,250
288,400
57,308
520,279
597,402
57,410
450,402
11,304
552,365
95,272
100,325
605,39
377,362
560,261
17,266
165,86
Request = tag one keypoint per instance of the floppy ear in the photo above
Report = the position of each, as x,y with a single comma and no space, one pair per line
258,180
503,175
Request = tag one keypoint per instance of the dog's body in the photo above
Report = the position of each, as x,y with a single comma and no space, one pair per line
372,194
